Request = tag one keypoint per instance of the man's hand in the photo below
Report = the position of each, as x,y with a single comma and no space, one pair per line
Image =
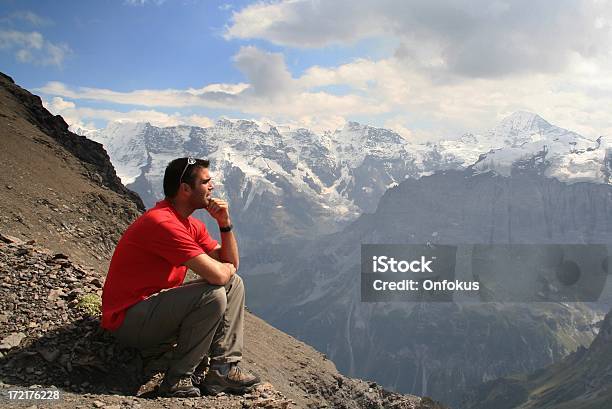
231,268
211,270
219,210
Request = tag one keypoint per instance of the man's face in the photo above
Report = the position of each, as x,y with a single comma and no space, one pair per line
203,187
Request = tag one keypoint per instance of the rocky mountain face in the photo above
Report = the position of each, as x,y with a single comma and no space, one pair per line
312,289
580,381
92,156
58,188
62,215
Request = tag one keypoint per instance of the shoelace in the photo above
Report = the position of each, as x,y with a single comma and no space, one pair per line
198,378
235,373
185,382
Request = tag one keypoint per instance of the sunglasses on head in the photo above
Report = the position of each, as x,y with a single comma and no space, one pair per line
190,161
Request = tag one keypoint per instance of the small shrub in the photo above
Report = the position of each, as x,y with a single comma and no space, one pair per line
91,304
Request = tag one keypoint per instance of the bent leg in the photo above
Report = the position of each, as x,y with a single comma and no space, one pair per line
188,315
228,340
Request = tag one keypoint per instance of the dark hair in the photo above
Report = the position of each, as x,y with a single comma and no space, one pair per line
173,174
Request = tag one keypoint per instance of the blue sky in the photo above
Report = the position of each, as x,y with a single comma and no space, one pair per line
427,70
129,46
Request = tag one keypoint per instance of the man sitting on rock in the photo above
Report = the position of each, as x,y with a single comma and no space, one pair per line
146,304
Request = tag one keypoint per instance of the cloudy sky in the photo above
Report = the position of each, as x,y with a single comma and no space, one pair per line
427,69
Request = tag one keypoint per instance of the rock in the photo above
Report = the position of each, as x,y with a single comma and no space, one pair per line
98,404
12,340
50,355
10,239
96,282
55,294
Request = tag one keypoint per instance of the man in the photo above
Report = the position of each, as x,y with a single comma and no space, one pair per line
146,305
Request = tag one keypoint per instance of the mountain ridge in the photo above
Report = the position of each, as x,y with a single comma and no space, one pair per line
579,381
342,173
436,347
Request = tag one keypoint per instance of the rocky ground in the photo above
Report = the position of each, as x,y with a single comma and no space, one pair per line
50,338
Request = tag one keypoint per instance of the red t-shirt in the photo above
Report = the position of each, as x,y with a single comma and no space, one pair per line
149,258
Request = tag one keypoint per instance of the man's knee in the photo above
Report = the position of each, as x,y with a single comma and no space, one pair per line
236,284
215,302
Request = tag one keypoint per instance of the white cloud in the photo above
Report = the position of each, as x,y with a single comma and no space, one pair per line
225,88
271,92
386,92
31,47
30,17
10,38
318,110
144,2
78,116
211,96
266,72
26,16
305,23
398,124
58,105
426,108
466,38
55,54
24,55
197,120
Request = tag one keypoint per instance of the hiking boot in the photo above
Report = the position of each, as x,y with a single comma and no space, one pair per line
199,374
182,388
150,386
230,378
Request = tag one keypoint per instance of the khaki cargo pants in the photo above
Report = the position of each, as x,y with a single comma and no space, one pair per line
201,319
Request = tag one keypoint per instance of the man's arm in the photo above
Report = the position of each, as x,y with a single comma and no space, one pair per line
228,252
211,270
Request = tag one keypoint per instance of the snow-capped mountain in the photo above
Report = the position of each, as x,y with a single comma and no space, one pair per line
526,141
327,166
292,182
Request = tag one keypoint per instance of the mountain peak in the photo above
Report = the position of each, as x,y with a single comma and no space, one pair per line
127,126
523,121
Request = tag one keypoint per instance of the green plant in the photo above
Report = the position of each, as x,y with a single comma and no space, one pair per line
90,304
